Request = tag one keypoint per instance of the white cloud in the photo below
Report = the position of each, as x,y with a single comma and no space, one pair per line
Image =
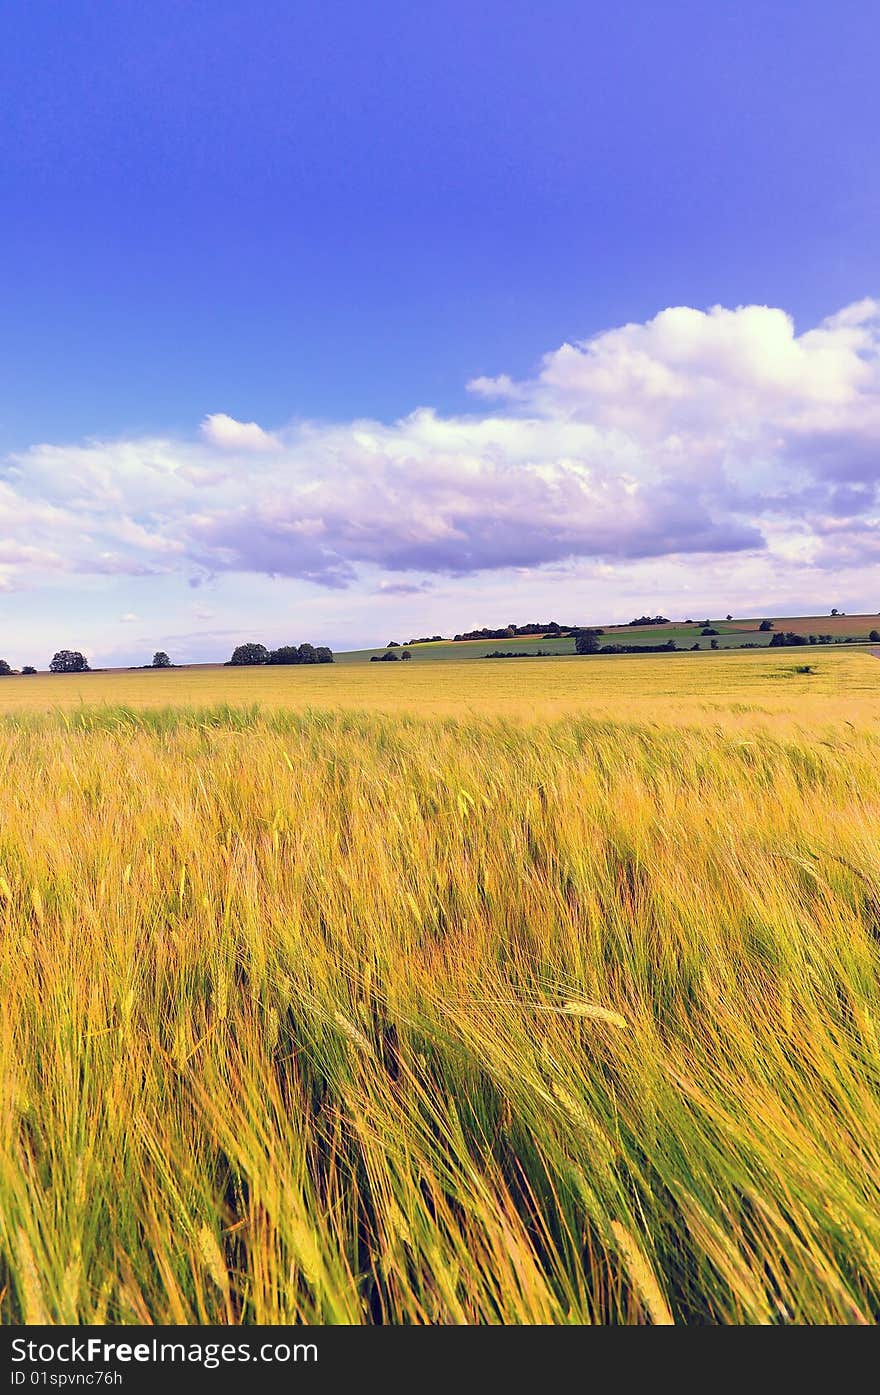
688,367
721,433
229,434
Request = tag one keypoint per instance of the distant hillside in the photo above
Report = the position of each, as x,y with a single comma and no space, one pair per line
735,633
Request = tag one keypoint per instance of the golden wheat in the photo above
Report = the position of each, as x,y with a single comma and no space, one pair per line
562,1009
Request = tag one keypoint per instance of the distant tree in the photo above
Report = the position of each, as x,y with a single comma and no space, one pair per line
287,654
28,669
69,661
587,641
302,654
874,636
695,646
405,655
765,625
325,655
392,644
5,669
668,648
835,611
518,654
713,643
161,659
708,630
245,654
730,617
813,639
534,627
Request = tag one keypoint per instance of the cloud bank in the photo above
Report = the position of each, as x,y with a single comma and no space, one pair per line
697,434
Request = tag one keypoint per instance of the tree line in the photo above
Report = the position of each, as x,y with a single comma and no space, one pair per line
73,661
521,654
788,638
553,630
64,661
250,654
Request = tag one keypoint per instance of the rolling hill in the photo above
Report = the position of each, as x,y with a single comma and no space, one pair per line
732,634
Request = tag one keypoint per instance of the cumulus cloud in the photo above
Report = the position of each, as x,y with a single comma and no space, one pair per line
698,433
688,367
229,434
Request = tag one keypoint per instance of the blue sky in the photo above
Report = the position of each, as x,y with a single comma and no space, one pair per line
310,216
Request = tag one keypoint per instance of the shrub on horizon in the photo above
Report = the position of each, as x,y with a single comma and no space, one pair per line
300,654
245,654
286,654
69,661
587,641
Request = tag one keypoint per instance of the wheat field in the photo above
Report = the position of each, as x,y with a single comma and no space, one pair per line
544,992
